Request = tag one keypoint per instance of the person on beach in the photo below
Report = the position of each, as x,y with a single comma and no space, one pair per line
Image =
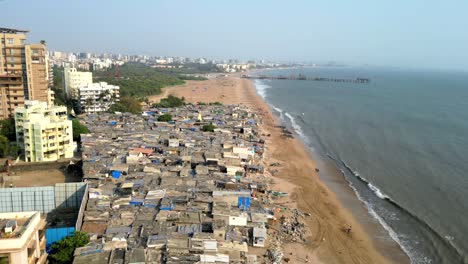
348,230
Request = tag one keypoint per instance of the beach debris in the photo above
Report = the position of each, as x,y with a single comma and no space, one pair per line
274,172
293,228
348,230
274,253
275,164
278,194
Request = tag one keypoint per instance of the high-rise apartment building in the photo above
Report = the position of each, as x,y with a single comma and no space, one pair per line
24,71
43,132
74,79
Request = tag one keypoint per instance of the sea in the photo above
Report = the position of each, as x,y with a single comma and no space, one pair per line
400,143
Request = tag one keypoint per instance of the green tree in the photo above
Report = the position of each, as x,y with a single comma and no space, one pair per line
7,128
127,104
170,101
208,128
165,118
58,87
64,248
138,80
4,146
78,129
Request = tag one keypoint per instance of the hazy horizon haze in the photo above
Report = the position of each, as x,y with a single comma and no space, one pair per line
416,34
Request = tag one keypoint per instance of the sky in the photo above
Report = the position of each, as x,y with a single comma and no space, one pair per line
401,33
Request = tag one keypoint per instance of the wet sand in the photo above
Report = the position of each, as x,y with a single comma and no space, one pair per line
328,243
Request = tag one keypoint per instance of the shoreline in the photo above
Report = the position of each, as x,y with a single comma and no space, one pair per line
310,193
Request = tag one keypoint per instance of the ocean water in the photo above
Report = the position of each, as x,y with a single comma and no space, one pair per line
400,141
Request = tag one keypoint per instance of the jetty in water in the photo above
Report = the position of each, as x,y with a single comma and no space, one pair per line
302,77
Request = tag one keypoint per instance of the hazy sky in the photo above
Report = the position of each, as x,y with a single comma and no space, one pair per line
408,33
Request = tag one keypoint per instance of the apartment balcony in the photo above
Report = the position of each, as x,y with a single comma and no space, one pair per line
14,90
50,149
19,101
15,60
15,54
32,259
11,79
43,257
42,242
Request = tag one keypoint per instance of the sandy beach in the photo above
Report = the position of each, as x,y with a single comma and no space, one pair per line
328,242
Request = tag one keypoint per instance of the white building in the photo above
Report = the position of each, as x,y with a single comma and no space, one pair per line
74,79
98,97
99,64
72,58
44,133
23,238
202,61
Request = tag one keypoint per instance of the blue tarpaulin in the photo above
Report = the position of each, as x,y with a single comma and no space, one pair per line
56,234
166,207
116,174
136,201
243,202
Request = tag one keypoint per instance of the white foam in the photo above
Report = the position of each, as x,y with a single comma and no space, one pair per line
377,191
297,128
382,222
261,88
279,110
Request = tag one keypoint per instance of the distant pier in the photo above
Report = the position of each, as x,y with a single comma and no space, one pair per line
301,77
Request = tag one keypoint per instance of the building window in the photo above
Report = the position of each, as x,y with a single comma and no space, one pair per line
4,259
52,144
10,41
12,52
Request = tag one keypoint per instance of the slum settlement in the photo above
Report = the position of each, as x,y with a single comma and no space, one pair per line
188,190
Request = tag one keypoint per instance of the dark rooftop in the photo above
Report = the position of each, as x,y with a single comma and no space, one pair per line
12,30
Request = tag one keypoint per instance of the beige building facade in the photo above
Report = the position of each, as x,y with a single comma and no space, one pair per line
24,73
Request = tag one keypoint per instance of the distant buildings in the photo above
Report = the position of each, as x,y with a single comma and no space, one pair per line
24,72
232,67
98,97
74,79
99,64
23,238
43,132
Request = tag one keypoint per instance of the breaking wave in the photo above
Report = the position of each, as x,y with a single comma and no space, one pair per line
261,88
297,128
405,246
279,110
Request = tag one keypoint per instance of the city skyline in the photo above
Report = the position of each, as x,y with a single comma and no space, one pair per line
417,34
